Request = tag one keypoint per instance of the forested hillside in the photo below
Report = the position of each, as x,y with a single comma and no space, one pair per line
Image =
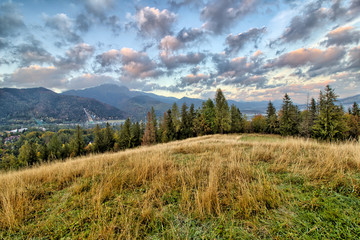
22,105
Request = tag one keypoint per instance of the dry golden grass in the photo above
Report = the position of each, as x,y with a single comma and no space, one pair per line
131,194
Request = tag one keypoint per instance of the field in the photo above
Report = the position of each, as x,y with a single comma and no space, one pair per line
211,187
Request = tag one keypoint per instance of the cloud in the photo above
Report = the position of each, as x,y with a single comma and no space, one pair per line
3,43
194,79
186,35
354,8
11,21
175,61
342,36
247,80
176,4
241,71
190,34
354,60
314,57
32,52
98,8
109,58
220,15
170,43
96,11
154,23
303,25
83,22
237,42
36,76
63,27
137,65
89,80
76,57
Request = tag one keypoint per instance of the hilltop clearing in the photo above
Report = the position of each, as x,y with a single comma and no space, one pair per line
216,186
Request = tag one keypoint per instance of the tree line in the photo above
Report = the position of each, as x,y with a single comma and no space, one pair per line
322,119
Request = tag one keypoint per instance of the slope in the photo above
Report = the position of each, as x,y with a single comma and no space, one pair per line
41,103
221,186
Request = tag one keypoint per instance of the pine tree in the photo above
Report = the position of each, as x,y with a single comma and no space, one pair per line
330,124
237,122
272,123
289,118
222,120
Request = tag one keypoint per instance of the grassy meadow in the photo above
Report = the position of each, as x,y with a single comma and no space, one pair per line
211,187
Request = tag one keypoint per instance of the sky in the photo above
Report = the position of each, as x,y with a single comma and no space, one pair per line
253,50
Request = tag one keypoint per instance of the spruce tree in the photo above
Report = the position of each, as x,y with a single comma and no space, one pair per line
289,118
154,121
355,111
185,126
135,134
98,140
175,118
109,139
192,115
124,136
272,123
77,143
237,122
222,120
208,117
170,129
330,124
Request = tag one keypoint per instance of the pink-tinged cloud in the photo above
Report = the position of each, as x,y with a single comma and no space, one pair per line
342,36
37,76
354,58
154,23
296,91
194,79
137,65
309,56
109,58
175,61
258,53
170,43
76,57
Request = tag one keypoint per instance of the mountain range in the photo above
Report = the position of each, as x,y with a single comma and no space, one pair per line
136,104
24,105
108,101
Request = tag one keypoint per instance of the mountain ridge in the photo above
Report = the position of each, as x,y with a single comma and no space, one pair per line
41,103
